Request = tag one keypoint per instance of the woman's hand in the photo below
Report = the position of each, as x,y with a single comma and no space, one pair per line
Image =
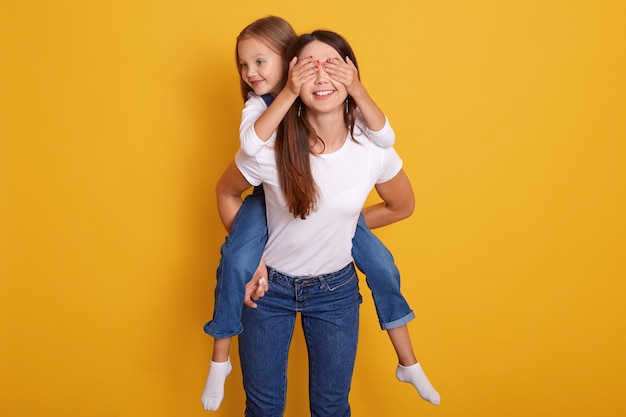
257,286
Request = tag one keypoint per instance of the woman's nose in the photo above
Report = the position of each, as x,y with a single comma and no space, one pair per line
321,76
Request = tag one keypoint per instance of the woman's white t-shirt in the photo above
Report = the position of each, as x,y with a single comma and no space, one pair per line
321,243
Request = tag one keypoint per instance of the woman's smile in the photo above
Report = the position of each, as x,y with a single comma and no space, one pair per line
323,94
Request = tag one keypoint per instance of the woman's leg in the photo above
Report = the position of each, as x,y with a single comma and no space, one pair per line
241,253
330,321
264,347
383,278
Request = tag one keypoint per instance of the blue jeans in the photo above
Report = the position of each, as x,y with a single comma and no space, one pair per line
329,308
382,277
243,249
241,254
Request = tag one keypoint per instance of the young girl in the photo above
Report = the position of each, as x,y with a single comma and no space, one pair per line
260,55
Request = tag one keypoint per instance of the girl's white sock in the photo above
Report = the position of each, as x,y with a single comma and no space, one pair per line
415,376
213,393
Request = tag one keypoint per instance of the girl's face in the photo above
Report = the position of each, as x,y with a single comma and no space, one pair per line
260,67
322,94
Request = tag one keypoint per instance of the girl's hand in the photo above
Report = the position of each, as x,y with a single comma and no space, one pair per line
344,72
301,72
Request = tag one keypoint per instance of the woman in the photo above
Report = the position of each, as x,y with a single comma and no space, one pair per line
316,177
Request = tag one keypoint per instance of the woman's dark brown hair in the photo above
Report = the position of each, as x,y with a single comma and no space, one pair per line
295,136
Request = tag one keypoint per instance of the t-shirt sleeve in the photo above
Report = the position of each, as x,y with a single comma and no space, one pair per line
391,164
249,167
384,137
250,142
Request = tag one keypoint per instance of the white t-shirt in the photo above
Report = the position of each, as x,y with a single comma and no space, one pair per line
321,243
255,106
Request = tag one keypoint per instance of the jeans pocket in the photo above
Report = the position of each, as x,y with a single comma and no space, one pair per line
341,281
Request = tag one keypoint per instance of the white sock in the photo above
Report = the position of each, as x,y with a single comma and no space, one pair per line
415,376
213,393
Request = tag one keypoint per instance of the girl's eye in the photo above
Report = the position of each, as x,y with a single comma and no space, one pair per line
260,62
244,66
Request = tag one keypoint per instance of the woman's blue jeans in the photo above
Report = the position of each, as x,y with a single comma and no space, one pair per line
243,249
329,309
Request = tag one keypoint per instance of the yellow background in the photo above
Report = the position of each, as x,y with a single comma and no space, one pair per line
117,118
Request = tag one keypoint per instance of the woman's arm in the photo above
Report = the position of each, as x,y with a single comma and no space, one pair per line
228,191
398,202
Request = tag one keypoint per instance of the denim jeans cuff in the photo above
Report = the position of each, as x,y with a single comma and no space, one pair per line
222,332
398,323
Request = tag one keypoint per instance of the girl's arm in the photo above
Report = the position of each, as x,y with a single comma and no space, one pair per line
369,114
258,125
385,138
398,202
268,122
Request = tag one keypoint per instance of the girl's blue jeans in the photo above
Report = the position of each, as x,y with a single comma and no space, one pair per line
329,310
242,252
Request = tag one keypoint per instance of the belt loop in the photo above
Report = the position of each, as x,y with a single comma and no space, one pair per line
270,273
323,284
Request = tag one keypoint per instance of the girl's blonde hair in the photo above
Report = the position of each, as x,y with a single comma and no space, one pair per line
275,32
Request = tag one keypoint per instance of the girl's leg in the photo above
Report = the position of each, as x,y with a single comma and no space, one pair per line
221,349
213,392
401,341
241,253
383,278
411,371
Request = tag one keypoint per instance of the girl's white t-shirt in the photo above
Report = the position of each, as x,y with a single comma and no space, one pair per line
255,106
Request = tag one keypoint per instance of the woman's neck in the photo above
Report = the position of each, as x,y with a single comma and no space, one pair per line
333,131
